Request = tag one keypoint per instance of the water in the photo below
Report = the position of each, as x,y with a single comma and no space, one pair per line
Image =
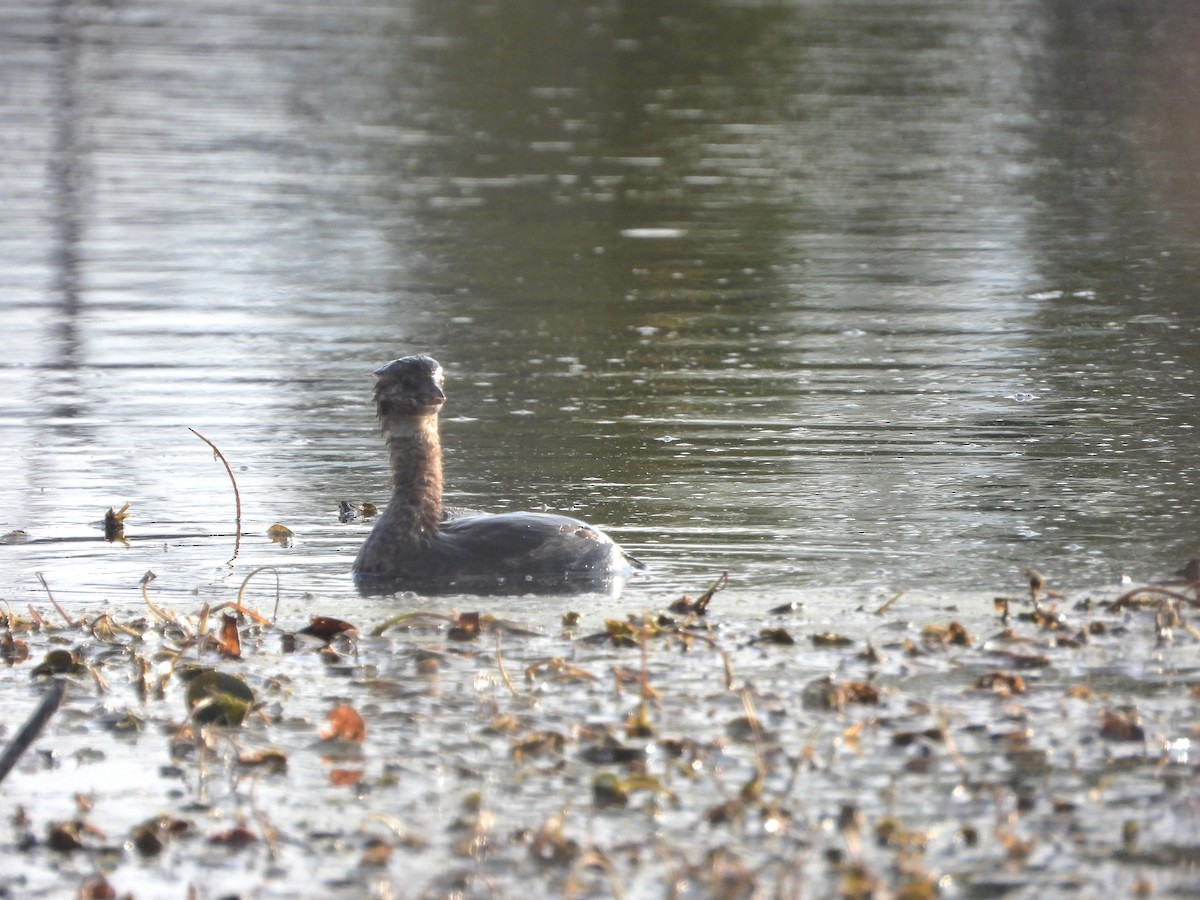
840,298
863,296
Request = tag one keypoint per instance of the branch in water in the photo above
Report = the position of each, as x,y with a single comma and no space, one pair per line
28,734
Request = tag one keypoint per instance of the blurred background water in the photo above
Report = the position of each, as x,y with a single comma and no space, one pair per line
861,294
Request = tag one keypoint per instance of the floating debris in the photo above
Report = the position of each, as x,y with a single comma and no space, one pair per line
818,765
114,525
350,512
344,724
282,535
218,698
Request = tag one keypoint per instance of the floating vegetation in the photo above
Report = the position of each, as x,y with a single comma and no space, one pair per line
898,751
114,525
282,535
352,512
217,698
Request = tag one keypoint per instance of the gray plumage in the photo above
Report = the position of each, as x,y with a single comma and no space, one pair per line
413,546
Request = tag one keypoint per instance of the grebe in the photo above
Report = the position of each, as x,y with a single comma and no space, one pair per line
414,545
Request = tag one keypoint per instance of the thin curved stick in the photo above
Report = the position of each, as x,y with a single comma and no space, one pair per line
162,614
1121,601
504,672
405,618
237,497
62,612
248,613
242,594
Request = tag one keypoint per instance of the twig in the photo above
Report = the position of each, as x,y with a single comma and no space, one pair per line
405,618
1152,589
28,734
896,596
248,613
752,718
62,612
242,593
586,864
805,755
701,605
237,497
504,672
202,629
948,743
165,616
269,832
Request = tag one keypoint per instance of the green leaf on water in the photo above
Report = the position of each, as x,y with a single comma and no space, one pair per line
215,698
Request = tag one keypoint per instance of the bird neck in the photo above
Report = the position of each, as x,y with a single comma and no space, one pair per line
416,456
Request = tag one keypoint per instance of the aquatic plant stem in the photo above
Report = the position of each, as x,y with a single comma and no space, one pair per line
62,612
503,672
165,616
896,596
242,593
237,497
1126,597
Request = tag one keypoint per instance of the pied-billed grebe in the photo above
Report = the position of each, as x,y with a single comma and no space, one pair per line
414,545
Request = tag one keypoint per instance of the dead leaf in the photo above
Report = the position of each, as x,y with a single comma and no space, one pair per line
1001,682
234,838
274,761
778,636
699,607
280,534
344,724
539,743
1117,727
558,669
216,698
96,887
13,650
377,853
861,692
114,524
831,639
326,628
229,643
945,635
466,627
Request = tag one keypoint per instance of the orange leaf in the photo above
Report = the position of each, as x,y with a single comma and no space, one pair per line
229,643
345,724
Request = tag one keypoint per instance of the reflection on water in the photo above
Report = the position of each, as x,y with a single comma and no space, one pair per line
811,292
841,298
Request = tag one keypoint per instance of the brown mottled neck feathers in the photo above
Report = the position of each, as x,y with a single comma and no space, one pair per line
415,451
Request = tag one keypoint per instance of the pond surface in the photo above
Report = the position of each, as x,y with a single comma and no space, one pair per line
817,295
842,299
